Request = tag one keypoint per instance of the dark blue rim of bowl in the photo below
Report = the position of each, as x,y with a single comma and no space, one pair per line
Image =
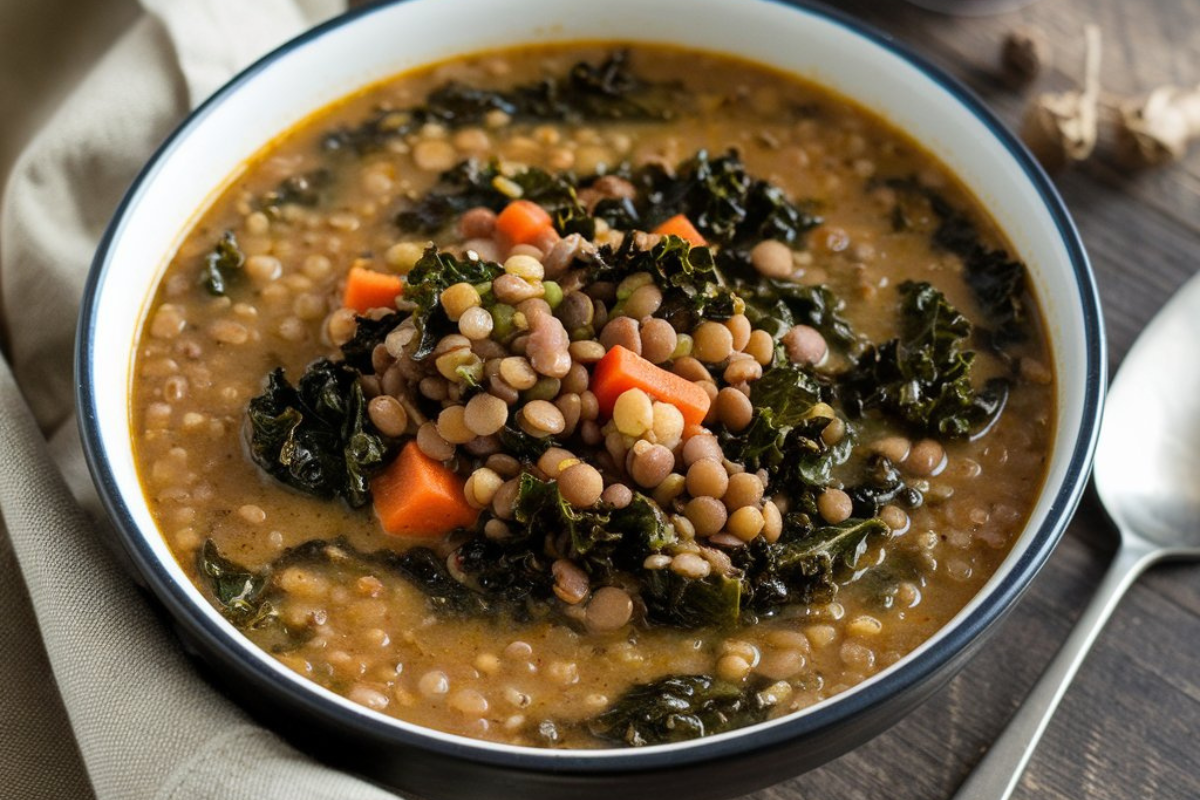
228,645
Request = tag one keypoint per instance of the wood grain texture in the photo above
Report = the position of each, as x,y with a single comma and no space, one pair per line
1129,726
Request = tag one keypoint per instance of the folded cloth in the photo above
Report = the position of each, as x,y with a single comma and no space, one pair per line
99,700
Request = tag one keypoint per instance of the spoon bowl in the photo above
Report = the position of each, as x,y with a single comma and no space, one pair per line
1146,468
1148,457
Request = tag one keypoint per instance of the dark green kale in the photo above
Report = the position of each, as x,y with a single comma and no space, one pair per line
422,567
777,305
472,184
784,435
996,279
923,377
692,288
729,206
306,190
608,91
881,484
434,272
804,566
223,266
239,591
601,539
369,334
316,437
679,708
671,599
523,447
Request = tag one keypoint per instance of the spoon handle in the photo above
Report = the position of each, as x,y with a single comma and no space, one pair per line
995,777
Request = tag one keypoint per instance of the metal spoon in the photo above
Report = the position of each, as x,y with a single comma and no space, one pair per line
1147,461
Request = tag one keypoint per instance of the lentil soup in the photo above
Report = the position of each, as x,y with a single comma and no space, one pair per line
586,396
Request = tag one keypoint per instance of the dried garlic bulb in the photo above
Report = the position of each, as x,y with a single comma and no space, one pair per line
1156,129
1063,127
1024,54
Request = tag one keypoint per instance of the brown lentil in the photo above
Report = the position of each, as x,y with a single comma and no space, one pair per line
772,259
388,415
734,409
432,444
712,342
706,514
835,505
706,478
609,610
485,414
581,485
624,332
804,345
658,340
650,465
542,418
745,489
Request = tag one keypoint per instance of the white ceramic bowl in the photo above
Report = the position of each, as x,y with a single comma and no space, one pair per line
373,43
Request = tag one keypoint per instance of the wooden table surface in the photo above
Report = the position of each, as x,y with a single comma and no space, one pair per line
1129,727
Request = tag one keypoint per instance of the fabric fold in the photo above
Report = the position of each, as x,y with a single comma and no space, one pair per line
99,691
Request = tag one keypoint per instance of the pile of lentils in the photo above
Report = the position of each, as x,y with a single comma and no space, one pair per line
533,349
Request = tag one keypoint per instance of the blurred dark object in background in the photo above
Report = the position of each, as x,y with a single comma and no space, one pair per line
45,45
971,8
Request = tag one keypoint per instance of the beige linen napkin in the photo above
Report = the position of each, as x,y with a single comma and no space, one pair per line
96,697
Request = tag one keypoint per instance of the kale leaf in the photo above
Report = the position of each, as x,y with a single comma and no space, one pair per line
239,591
433,272
693,290
805,564
678,708
672,599
602,539
881,485
471,184
608,91
369,333
316,437
525,448
784,435
305,189
777,305
996,279
923,377
729,206
223,266
540,507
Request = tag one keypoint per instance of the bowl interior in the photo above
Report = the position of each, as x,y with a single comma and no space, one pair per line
376,43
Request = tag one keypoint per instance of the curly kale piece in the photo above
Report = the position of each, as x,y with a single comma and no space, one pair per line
996,279
608,91
472,184
784,435
433,273
778,305
240,591
223,266
316,437
693,290
369,333
923,377
306,189
804,566
678,708
728,205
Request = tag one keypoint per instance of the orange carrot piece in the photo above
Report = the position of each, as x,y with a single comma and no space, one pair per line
681,226
521,222
622,369
367,289
417,496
